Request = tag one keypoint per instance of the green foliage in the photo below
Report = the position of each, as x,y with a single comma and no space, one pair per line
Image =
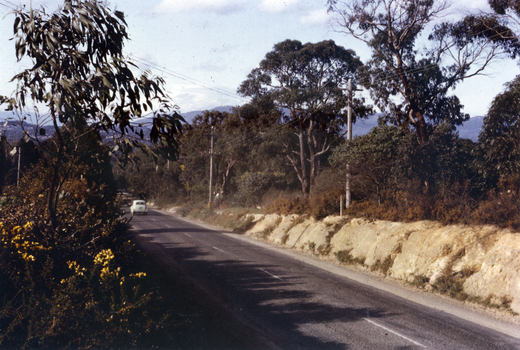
395,177
441,164
371,157
409,79
157,181
500,133
79,74
251,186
308,81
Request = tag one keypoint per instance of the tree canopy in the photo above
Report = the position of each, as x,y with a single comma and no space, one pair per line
500,135
80,76
408,81
307,83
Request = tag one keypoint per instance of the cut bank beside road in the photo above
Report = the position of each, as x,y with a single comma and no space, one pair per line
475,264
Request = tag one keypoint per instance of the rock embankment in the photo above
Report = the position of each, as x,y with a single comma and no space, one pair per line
475,263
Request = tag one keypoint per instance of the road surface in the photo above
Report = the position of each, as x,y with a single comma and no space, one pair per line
294,301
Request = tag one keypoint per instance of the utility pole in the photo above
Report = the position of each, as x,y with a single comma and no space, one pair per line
19,162
348,199
211,169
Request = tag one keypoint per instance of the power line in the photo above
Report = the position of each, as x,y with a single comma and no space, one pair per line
184,77
9,5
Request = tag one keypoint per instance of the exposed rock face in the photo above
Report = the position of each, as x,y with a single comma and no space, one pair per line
483,260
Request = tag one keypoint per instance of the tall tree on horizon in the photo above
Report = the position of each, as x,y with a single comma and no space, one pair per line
308,81
410,81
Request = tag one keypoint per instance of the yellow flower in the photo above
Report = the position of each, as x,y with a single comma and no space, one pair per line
28,257
77,268
104,257
138,275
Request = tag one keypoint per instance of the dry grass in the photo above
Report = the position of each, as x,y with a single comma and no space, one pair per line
346,258
383,265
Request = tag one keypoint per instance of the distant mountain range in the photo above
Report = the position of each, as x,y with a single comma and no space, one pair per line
188,116
14,132
469,130
12,129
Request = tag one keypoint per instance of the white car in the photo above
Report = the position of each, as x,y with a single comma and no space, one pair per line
139,206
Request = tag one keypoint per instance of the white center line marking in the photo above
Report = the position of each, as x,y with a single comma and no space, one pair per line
153,219
167,226
220,250
270,274
391,331
187,234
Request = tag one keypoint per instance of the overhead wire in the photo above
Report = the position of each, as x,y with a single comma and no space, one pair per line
184,77
9,5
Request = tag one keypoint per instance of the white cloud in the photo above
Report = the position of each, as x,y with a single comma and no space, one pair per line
277,5
219,6
315,17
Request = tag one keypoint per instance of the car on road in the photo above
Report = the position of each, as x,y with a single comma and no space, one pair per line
139,206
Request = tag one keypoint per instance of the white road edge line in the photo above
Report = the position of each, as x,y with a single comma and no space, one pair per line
270,274
220,250
167,226
187,234
391,331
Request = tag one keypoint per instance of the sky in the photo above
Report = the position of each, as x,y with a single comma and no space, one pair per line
204,49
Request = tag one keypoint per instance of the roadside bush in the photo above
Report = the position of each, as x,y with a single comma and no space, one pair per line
327,203
73,283
502,209
285,206
399,206
252,186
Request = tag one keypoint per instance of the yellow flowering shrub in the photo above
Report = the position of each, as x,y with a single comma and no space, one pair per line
63,281
104,257
20,240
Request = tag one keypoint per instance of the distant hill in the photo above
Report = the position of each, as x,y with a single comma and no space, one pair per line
10,127
469,129
188,116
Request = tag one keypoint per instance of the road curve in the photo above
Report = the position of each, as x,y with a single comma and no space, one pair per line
298,302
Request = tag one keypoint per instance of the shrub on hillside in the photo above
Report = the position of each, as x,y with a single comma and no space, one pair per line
502,209
285,206
251,186
327,203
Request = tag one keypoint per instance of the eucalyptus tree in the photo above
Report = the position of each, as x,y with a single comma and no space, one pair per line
307,84
500,135
505,12
408,80
79,74
372,158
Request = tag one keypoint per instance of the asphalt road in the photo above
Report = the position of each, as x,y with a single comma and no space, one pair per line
290,301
